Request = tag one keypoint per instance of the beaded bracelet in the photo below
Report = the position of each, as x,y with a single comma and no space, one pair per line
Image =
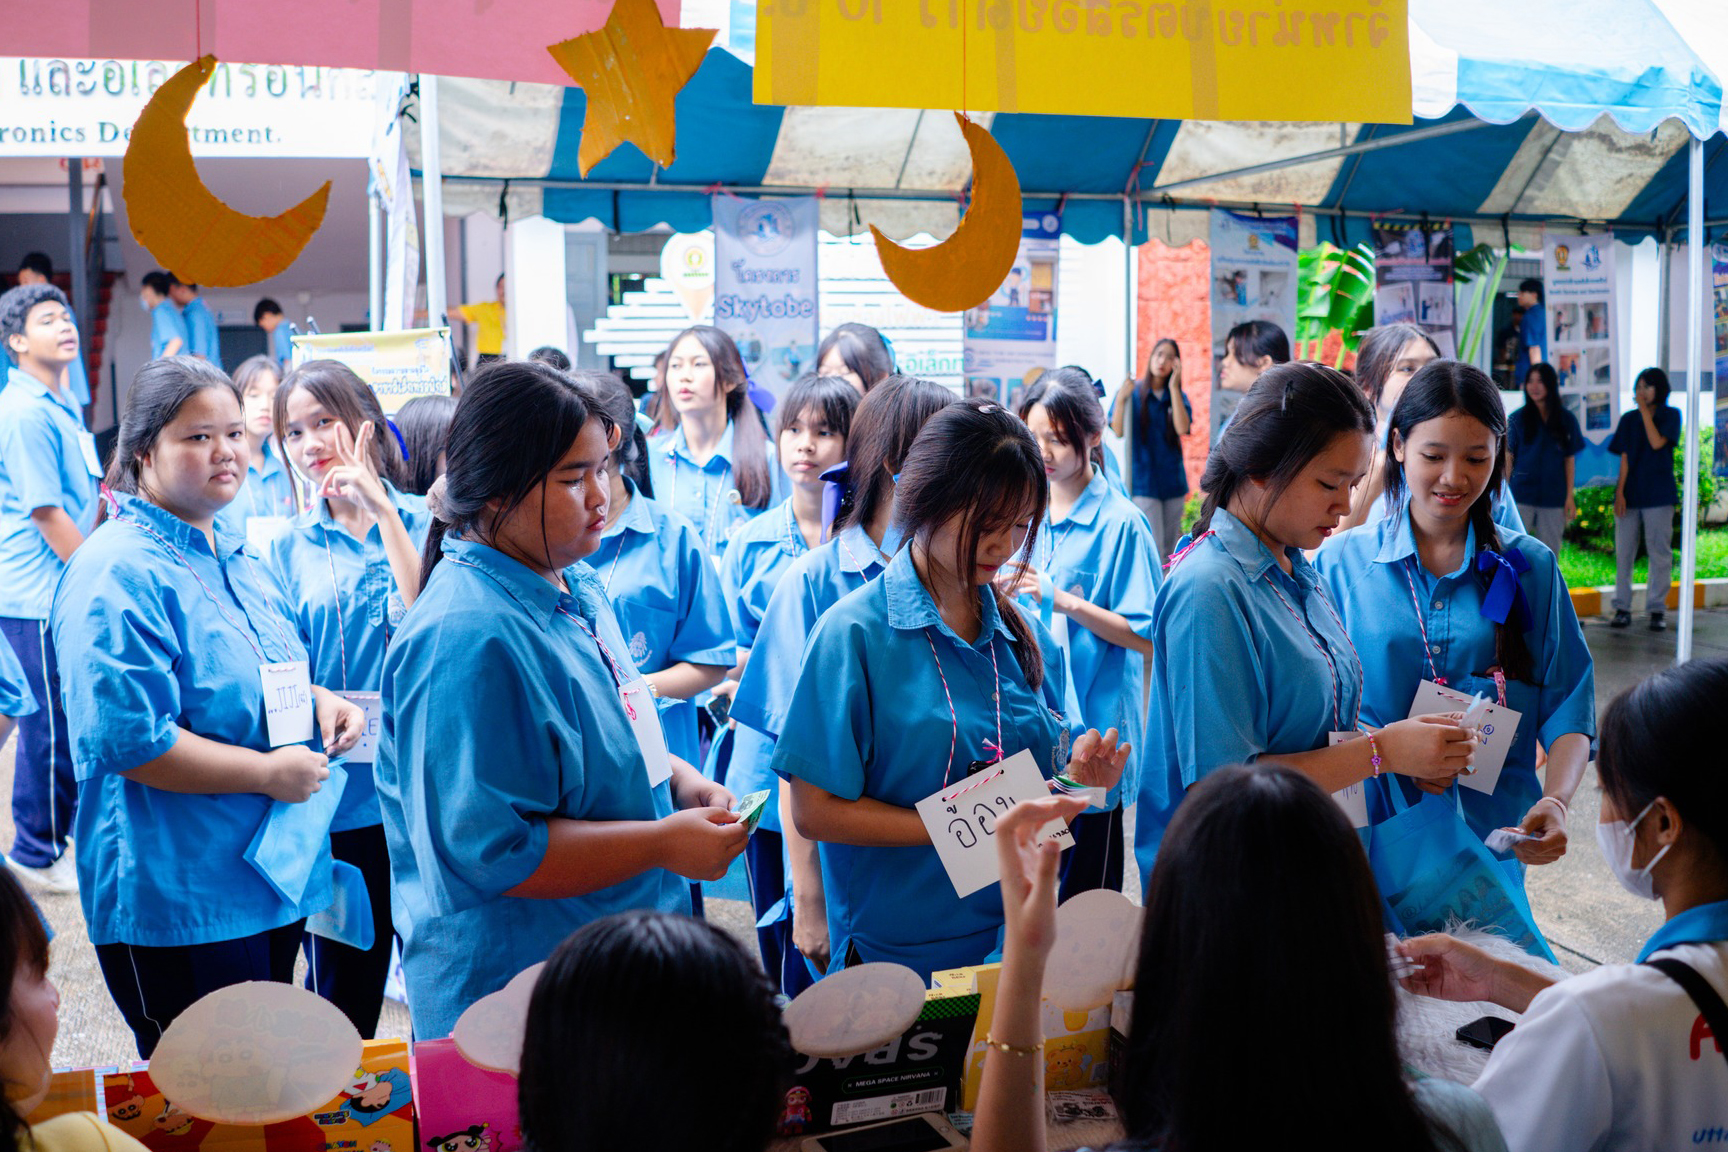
1012,1050
1374,752
1565,813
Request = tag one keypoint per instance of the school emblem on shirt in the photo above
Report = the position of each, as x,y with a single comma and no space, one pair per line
639,647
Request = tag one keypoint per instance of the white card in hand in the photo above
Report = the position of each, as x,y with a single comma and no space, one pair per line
367,749
645,723
1495,730
1353,798
961,820
288,714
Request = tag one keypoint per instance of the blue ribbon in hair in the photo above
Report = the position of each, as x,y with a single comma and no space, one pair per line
1506,593
397,432
833,495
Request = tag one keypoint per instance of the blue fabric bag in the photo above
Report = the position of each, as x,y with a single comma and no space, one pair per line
288,844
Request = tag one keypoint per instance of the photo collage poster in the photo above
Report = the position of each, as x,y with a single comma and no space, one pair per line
1253,278
1014,330
1579,292
1413,281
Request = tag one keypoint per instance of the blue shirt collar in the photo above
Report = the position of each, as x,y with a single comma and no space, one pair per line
319,513
910,607
1705,924
857,551
636,517
18,378
791,541
539,597
175,530
1091,501
271,463
678,445
1251,552
1398,541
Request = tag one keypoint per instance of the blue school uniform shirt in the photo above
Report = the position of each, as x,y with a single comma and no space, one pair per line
500,712
758,557
1247,660
705,494
1104,553
41,466
1539,460
202,337
1378,582
16,699
669,601
268,491
1649,471
77,375
346,608
157,633
869,717
1158,469
282,343
1532,332
166,324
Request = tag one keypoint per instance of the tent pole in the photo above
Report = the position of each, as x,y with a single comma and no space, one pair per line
1694,375
374,264
1664,285
432,187
1129,297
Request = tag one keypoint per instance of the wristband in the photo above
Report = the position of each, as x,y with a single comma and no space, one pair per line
1374,752
1012,1050
1565,812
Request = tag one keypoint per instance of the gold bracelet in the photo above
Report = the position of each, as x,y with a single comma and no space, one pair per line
1012,1050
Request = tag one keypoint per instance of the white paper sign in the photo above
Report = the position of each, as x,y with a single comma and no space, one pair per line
260,530
287,702
650,737
87,448
962,817
1497,728
1353,798
367,749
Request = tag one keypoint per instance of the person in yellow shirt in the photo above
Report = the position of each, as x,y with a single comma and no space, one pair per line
489,341
29,1021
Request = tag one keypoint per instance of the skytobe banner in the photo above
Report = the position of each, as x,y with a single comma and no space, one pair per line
87,108
1578,278
397,365
765,284
1253,278
1014,330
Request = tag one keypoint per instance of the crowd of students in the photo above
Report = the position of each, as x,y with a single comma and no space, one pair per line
516,657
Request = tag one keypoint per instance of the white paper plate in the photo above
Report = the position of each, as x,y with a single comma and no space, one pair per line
489,1034
1097,943
854,1011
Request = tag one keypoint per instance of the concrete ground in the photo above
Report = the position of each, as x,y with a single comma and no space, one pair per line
1587,917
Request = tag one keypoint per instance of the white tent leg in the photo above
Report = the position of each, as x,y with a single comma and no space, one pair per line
374,264
1695,361
1129,308
432,186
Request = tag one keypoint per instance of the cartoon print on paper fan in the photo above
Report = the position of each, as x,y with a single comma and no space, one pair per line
371,1096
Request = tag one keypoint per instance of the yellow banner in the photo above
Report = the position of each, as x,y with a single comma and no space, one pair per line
1272,60
398,365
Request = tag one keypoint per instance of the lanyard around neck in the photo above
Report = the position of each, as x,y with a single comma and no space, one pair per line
954,716
1326,653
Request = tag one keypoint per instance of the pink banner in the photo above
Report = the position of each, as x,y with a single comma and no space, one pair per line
496,40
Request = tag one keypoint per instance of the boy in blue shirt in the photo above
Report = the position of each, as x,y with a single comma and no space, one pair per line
167,329
1532,330
36,268
277,331
48,470
202,338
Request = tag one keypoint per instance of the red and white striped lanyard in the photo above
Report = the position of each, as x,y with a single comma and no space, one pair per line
1422,624
611,662
852,557
1337,680
336,594
254,638
954,716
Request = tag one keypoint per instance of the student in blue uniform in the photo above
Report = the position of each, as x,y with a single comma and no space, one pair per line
37,268
883,428
1161,415
1438,592
918,675
168,335
857,354
268,496
167,624
267,314
664,588
203,339
715,468
48,471
351,568
1542,441
1645,496
1093,578
1249,656
815,418
518,800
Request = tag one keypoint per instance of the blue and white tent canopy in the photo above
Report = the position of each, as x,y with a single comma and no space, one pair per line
1528,114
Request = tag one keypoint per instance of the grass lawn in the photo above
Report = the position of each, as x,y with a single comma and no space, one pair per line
1585,568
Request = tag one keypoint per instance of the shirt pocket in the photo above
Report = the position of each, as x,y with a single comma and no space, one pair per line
648,629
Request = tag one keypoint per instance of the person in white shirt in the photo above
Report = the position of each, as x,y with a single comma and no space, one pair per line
1626,1056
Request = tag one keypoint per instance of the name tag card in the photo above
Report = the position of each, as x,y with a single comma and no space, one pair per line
367,749
1495,730
260,530
87,449
961,820
650,737
1353,798
288,714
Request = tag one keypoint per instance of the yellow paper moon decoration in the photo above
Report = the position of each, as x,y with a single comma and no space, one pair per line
963,270
185,225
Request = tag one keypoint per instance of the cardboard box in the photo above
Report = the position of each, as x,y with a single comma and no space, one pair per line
463,1107
73,1090
1121,1019
375,1113
917,1071
1076,1044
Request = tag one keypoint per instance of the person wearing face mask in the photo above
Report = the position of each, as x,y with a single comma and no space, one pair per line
920,675
1628,1055
1439,592
29,1022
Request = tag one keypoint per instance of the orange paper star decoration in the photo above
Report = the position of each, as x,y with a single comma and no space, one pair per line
632,70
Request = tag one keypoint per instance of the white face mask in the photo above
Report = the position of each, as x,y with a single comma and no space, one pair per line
1617,839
